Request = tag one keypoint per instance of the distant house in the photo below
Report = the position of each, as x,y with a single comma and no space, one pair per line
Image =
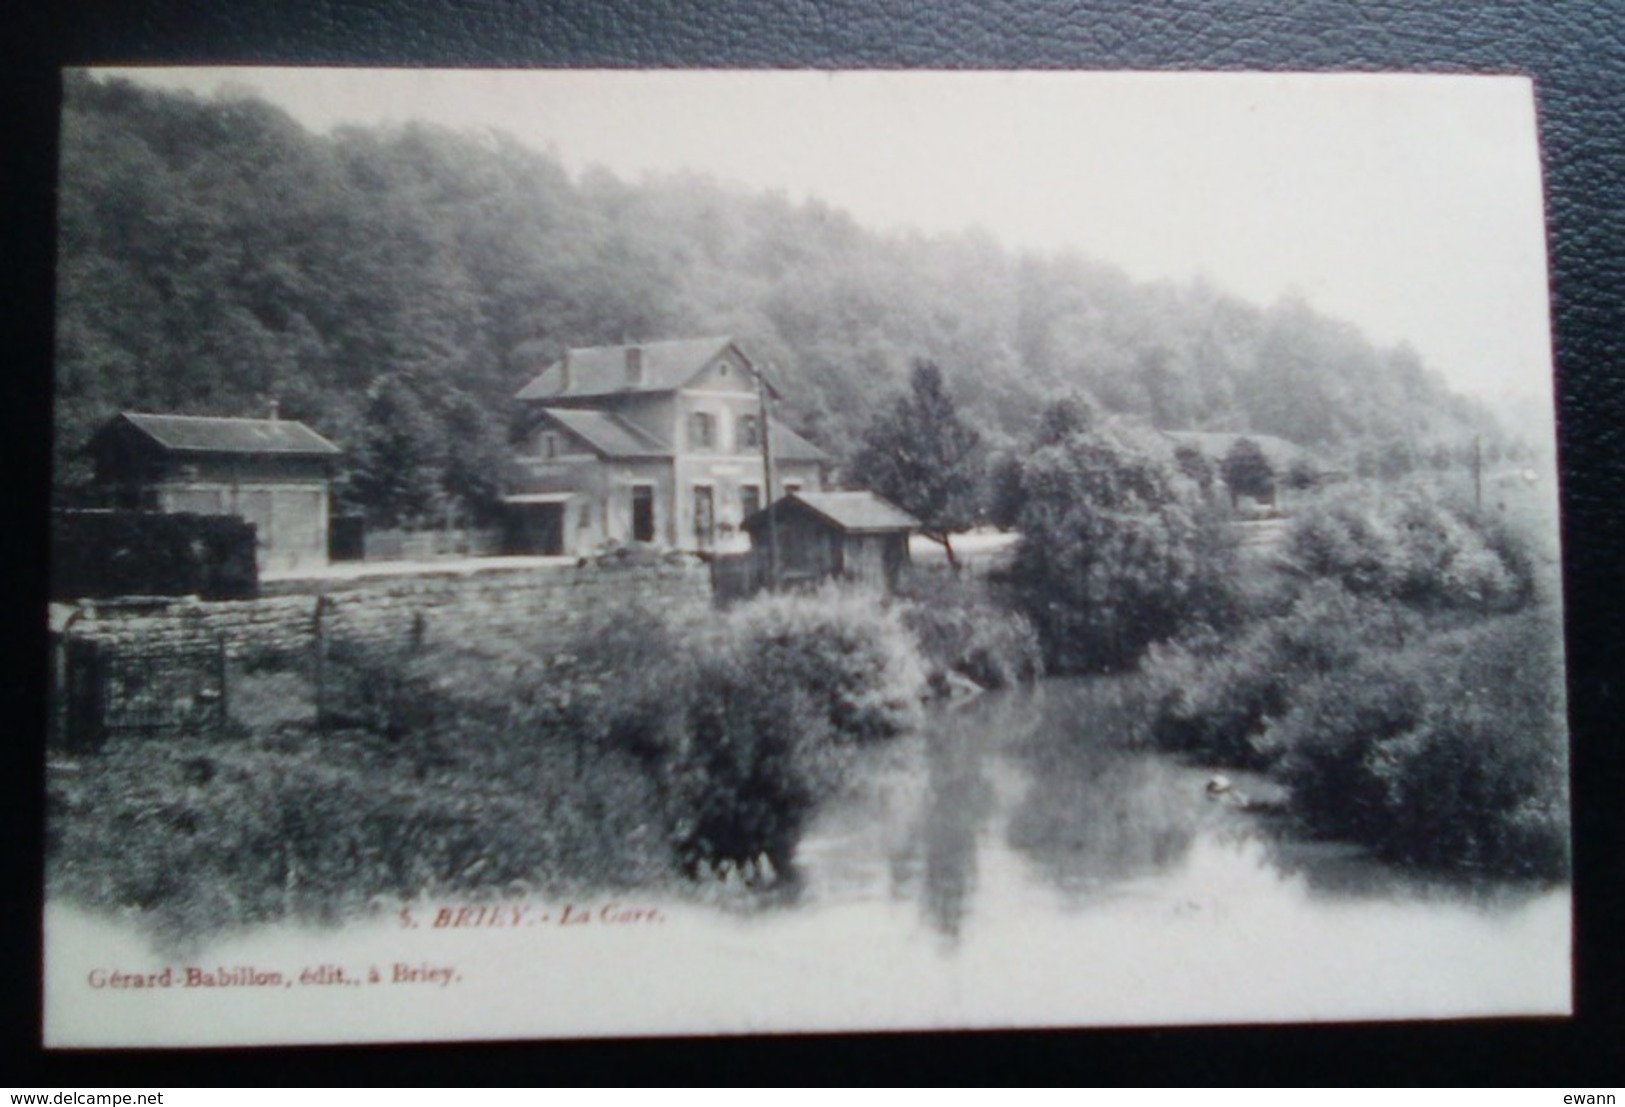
1214,445
846,535
1289,463
657,442
274,473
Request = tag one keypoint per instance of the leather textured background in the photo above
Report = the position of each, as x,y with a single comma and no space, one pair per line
1574,50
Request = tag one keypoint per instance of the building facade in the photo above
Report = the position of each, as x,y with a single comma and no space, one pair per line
661,442
274,473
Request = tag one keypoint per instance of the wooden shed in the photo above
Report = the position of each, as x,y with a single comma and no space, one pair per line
274,473
846,535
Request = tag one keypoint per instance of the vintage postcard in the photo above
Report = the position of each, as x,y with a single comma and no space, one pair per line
565,554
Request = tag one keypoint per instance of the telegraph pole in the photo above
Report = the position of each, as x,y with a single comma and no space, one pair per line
767,485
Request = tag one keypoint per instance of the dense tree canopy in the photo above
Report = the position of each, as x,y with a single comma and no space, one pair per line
1115,552
921,455
214,255
1247,471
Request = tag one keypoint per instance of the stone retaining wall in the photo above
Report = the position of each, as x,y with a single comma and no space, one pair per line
431,607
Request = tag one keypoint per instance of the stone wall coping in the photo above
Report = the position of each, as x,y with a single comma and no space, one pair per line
374,575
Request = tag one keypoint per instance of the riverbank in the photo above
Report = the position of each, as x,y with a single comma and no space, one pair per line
1011,862
640,750
1405,684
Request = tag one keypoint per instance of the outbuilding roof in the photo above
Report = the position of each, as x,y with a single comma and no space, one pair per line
216,435
850,511
602,370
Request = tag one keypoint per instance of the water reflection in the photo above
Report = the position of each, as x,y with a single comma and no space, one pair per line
1040,799
1096,812
1339,872
959,800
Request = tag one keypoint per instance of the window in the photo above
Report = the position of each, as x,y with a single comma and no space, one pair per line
584,515
198,501
750,500
702,431
550,445
750,433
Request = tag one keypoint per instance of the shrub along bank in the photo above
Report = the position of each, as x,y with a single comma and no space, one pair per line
967,625
1409,692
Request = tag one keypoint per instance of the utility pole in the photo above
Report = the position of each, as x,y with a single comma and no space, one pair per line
767,485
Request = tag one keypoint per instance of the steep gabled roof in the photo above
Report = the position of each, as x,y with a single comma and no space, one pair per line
214,435
787,445
614,436
609,434
850,511
601,370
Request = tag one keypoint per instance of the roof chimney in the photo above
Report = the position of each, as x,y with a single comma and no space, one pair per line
275,409
634,366
564,371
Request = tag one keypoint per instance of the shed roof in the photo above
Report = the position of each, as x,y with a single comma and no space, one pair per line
216,435
601,370
850,511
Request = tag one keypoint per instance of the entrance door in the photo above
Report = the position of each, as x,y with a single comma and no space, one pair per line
536,529
705,516
643,513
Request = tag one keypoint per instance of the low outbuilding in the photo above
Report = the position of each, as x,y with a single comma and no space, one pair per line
274,473
844,535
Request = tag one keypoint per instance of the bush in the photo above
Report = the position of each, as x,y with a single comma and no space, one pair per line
1116,552
1451,754
963,628
1436,746
854,659
784,691
1409,696
1413,547
1216,697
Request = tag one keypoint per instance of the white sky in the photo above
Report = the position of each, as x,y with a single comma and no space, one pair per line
1408,205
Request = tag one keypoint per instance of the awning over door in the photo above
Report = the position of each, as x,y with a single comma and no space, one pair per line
539,498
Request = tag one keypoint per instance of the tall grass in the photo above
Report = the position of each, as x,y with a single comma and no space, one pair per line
634,751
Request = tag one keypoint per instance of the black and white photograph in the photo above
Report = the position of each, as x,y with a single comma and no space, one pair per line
589,553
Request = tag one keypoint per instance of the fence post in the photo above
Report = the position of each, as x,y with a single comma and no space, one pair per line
221,659
86,721
319,644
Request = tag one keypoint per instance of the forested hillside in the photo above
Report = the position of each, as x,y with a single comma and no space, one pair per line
215,254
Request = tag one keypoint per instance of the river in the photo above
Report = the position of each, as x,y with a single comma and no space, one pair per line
1026,818
1015,863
